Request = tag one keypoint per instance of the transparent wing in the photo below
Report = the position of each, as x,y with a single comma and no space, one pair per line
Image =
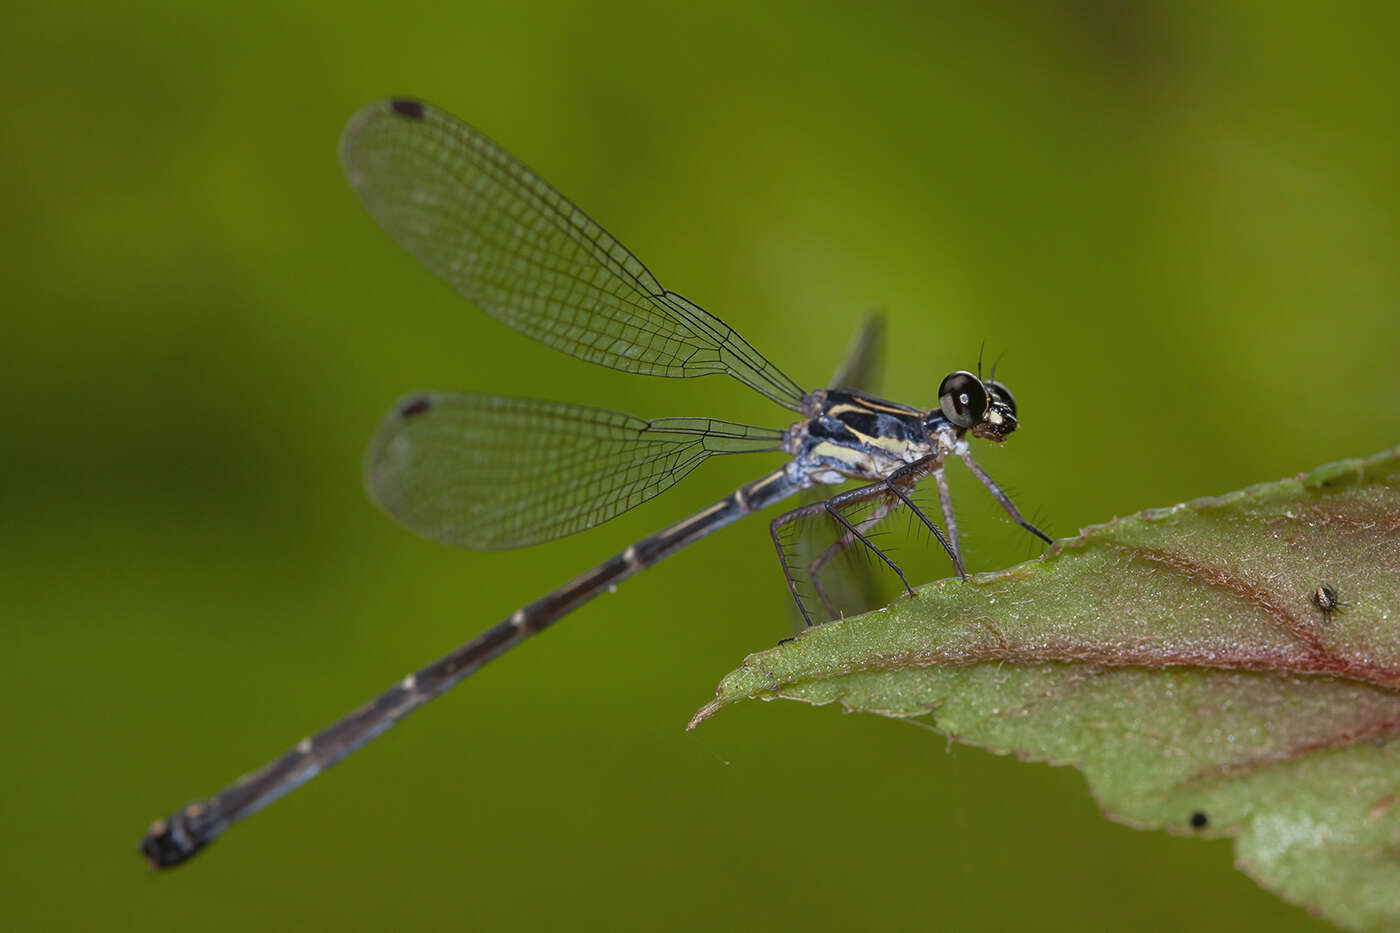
520,250
863,368
488,472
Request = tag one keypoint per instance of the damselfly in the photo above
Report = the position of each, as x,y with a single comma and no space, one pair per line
483,471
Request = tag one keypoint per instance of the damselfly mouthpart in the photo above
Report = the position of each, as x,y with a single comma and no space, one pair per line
485,471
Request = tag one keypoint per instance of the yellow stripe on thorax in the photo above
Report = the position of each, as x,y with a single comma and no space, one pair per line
891,445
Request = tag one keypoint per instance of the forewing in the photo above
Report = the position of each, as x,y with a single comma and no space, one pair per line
521,251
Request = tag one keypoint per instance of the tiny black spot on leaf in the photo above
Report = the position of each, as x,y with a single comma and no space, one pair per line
1199,820
415,407
407,108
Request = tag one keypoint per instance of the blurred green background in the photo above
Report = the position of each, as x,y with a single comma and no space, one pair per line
1180,222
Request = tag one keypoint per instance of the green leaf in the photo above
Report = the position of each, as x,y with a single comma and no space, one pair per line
1178,659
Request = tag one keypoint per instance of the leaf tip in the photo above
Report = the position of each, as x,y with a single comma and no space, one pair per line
704,713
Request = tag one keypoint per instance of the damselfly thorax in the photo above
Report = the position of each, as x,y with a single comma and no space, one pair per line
853,436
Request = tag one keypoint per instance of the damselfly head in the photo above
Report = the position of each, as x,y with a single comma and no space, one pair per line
987,409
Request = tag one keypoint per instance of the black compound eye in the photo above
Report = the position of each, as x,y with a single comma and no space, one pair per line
962,399
1002,394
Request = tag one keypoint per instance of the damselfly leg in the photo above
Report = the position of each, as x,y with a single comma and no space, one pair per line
890,494
1002,499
